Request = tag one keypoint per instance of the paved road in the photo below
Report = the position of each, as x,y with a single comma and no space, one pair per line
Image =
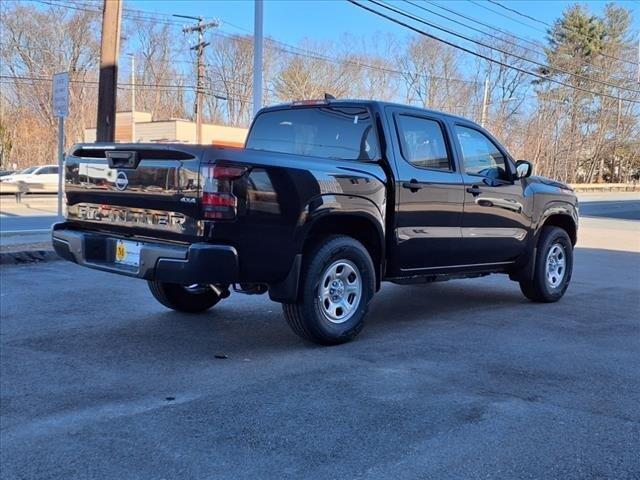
16,232
30,205
461,380
621,209
27,222
31,222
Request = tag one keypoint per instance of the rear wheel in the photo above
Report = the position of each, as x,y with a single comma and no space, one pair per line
337,283
553,268
184,298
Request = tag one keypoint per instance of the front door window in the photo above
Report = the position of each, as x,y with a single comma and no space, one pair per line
480,156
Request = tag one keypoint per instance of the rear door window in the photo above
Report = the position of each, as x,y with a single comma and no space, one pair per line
343,133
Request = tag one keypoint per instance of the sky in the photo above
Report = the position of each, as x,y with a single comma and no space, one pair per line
324,20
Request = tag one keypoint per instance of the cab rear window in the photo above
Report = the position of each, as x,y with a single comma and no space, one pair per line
343,133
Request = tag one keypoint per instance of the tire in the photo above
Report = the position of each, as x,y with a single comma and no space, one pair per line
550,277
184,298
335,313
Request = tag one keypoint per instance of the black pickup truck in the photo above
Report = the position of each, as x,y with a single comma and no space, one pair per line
328,199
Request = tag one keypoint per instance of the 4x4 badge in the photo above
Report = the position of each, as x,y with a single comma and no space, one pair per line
121,181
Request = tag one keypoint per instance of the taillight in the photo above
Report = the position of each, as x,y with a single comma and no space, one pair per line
218,201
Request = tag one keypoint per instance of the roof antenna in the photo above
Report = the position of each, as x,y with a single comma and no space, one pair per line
328,96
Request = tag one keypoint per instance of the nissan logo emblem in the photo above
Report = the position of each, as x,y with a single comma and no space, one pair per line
121,181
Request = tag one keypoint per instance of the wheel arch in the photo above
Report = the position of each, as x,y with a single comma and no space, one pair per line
560,214
565,222
361,226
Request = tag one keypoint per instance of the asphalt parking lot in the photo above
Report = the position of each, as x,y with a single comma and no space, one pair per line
463,379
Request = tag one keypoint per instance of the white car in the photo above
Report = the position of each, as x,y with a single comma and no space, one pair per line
20,173
43,178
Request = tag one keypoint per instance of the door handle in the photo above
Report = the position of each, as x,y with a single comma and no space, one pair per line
474,190
413,185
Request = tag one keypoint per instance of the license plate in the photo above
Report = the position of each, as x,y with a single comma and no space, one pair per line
128,253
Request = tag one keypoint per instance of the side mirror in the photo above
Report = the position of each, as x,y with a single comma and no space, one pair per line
524,169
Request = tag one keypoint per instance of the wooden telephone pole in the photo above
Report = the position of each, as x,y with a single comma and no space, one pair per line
199,28
108,80
485,103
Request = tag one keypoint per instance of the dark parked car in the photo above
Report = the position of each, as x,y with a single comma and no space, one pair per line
327,200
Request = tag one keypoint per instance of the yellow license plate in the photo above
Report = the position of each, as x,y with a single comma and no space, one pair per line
128,253
121,252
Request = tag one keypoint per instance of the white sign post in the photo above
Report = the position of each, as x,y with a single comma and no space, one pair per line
60,96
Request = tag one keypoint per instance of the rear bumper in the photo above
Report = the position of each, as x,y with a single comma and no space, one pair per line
195,263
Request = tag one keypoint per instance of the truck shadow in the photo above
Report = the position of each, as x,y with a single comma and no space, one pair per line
257,328
253,327
254,324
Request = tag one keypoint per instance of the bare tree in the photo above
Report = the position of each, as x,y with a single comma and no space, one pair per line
161,85
35,45
311,75
433,75
230,74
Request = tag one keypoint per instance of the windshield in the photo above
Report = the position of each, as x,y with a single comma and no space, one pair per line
343,133
27,170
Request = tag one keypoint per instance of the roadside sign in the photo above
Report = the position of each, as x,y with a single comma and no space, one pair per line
60,100
60,94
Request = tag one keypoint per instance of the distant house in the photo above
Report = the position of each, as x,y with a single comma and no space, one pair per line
171,130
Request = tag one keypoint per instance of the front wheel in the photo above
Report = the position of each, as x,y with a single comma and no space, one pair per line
337,283
553,268
184,298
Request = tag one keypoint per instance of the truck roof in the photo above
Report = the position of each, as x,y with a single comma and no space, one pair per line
362,102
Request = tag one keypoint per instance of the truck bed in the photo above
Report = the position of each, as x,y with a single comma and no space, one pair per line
155,192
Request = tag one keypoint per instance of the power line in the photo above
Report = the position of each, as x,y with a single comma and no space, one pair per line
475,29
94,83
491,33
293,50
493,27
486,45
272,44
133,14
480,55
542,22
518,13
481,5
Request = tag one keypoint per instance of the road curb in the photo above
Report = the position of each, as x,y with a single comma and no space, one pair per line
28,256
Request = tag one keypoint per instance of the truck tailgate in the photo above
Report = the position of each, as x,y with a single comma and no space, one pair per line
135,189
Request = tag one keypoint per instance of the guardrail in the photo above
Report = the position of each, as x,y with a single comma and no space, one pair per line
23,187
606,187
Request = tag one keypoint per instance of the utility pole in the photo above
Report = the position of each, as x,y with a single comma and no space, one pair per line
639,60
485,103
133,97
199,28
108,80
615,171
257,55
